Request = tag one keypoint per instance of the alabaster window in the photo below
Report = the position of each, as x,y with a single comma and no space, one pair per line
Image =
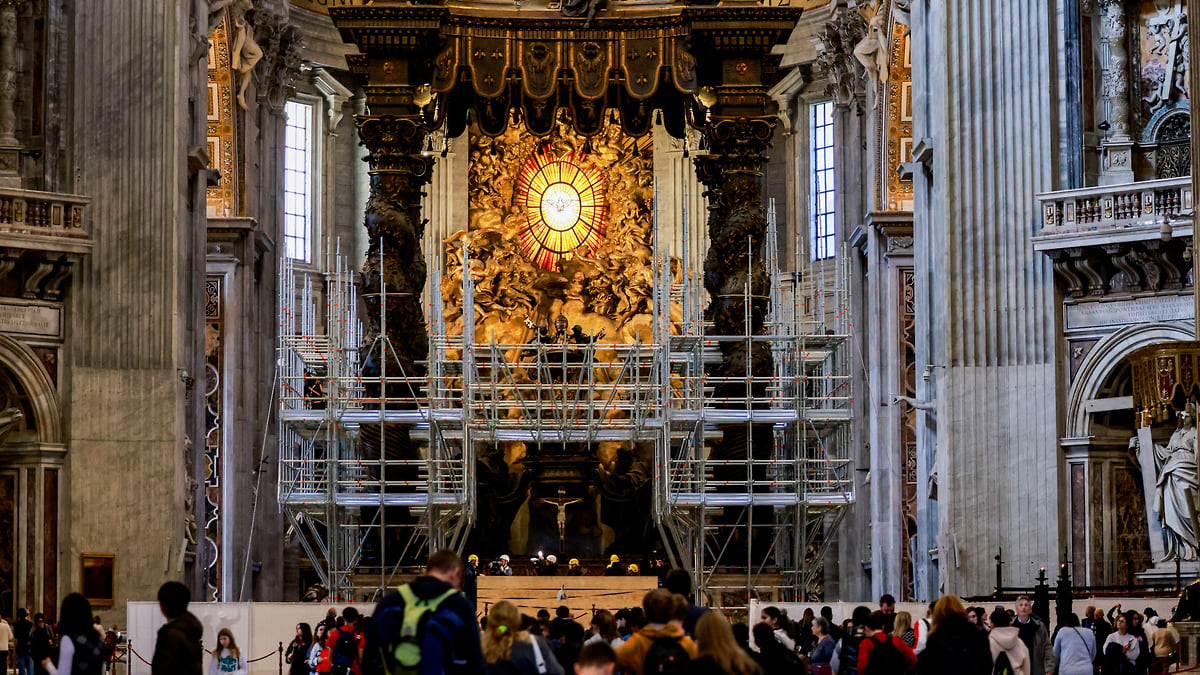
820,125
299,180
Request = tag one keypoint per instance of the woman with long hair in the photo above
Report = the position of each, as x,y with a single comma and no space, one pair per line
318,654
777,619
1074,648
903,629
954,645
297,651
604,629
227,658
508,649
80,648
1121,649
718,652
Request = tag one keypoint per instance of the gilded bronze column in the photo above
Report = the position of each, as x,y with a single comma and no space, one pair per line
734,270
395,232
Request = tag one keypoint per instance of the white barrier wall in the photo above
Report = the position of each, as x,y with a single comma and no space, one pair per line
257,627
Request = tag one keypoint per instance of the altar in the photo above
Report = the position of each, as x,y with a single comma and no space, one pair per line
582,595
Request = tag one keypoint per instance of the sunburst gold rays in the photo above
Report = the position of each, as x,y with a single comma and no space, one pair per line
564,205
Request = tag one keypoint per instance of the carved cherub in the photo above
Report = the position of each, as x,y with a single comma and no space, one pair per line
873,50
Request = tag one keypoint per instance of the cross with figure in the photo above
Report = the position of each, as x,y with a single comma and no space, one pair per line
560,503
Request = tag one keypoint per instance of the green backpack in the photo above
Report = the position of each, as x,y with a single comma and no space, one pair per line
402,656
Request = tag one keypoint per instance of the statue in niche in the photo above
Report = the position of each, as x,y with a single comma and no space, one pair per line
245,53
874,49
1175,489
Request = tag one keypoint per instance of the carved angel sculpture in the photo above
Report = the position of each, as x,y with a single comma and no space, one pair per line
872,50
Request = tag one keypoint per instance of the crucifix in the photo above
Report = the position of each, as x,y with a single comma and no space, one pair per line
560,503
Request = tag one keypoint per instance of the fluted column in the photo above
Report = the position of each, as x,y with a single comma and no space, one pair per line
1118,147
8,71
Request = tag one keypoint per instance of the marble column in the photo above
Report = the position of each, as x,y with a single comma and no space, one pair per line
8,71
1118,147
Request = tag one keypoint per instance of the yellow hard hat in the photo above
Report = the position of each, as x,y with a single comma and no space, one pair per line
573,561
633,568
614,559
472,558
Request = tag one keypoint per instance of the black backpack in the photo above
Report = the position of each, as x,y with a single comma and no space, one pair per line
885,659
1003,666
345,650
848,657
665,656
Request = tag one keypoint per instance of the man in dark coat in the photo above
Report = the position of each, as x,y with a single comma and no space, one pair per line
178,650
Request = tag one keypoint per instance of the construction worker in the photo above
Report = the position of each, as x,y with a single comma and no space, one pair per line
573,568
614,568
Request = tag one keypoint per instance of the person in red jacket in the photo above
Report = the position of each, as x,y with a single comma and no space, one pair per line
885,652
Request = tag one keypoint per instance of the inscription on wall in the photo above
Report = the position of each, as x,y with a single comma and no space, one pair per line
1133,310
29,318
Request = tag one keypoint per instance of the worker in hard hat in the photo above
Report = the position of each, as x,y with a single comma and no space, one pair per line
573,568
470,584
614,568
634,571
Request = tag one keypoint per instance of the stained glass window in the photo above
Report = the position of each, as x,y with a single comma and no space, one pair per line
564,205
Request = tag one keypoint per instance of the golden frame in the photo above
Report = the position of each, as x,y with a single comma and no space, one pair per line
98,578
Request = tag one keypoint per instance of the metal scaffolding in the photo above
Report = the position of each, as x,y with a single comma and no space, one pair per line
756,523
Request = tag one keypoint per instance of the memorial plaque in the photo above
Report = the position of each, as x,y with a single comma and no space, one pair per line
1151,309
30,318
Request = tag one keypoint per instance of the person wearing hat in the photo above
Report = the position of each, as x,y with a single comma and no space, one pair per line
573,568
548,566
471,579
614,568
634,570
504,570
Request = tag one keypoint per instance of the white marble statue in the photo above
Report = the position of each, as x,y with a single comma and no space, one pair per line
873,50
245,53
1175,489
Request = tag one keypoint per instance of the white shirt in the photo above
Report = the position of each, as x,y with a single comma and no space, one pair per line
6,636
923,627
1123,640
66,657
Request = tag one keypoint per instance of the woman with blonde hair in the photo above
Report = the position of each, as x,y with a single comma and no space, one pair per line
508,649
227,658
903,629
954,645
718,651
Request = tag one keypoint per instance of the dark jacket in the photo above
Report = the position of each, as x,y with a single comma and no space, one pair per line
21,631
466,655
1037,639
41,645
521,659
178,651
956,648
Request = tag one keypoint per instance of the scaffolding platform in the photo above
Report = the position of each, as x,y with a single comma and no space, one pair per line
352,496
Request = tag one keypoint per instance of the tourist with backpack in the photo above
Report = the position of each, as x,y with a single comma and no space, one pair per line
81,650
659,647
880,652
845,656
346,645
1010,656
428,625
509,650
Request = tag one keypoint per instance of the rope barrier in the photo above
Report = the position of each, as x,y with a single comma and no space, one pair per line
140,657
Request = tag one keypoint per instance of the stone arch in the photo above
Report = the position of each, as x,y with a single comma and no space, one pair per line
1104,358
32,378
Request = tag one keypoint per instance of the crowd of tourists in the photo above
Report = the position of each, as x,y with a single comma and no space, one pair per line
429,626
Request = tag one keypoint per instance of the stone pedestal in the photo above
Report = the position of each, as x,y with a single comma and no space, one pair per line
1189,643
1163,573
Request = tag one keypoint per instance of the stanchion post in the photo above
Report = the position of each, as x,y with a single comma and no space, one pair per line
281,657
